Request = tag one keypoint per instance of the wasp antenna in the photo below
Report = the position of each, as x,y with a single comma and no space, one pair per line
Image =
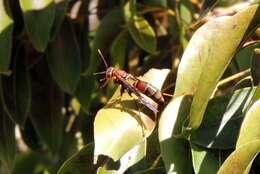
104,72
103,58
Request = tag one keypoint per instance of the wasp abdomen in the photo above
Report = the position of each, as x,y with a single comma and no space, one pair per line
150,91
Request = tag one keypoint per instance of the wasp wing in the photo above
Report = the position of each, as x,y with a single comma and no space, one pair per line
126,85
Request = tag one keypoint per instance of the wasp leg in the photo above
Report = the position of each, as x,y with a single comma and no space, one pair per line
139,119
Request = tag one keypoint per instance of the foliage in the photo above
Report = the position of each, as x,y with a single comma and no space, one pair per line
55,118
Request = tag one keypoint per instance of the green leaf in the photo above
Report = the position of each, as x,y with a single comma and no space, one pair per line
47,102
240,161
16,90
119,48
110,26
7,141
140,30
84,91
250,127
119,126
60,12
27,162
208,54
132,157
102,170
222,120
38,18
6,31
63,57
152,171
79,163
204,161
175,152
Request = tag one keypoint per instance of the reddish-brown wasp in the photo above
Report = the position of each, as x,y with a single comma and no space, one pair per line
121,77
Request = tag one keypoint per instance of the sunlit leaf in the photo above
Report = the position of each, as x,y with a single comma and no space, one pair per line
102,170
6,31
119,126
250,127
132,157
38,16
240,161
208,54
63,58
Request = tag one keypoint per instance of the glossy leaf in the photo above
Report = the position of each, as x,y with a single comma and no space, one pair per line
38,16
119,126
203,160
47,102
7,141
222,120
208,54
16,91
65,49
6,31
110,26
250,127
81,162
240,161
140,30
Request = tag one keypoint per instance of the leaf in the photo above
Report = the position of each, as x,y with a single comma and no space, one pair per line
102,170
110,26
250,127
38,18
222,120
84,91
175,152
208,54
152,171
47,102
6,31
60,12
27,162
240,161
7,141
63,57
255,67
16,91
140,30
203,160
132,157
119,126
119,48
79,163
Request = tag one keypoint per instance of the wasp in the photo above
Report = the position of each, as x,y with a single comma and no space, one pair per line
138,87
